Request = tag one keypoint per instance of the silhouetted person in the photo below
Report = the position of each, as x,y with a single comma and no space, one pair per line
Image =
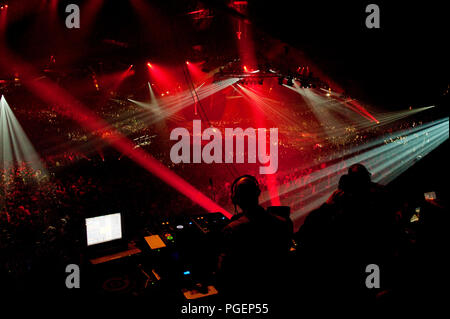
360,175
255,245
352,229
344,181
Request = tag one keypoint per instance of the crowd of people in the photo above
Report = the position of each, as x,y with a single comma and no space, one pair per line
41,217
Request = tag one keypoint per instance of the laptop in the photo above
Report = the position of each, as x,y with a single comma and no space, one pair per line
104,238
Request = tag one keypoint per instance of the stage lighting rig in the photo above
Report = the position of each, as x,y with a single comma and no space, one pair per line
244,77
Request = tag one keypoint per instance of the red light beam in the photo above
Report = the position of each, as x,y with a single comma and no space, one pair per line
52,93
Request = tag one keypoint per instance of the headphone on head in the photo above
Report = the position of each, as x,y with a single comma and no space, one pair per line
235,195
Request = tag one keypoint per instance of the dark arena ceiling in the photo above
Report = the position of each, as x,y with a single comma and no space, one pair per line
408,54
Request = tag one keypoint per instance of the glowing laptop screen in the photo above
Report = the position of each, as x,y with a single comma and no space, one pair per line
104,228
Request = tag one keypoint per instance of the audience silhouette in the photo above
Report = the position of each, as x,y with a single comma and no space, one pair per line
255,245
362,223
354,228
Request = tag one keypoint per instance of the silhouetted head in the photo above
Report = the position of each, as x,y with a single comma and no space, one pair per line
245,192
344,183
360,176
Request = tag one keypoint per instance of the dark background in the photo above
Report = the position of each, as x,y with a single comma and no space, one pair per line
404,63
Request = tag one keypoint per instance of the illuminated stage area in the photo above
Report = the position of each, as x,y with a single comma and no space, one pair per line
123,142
